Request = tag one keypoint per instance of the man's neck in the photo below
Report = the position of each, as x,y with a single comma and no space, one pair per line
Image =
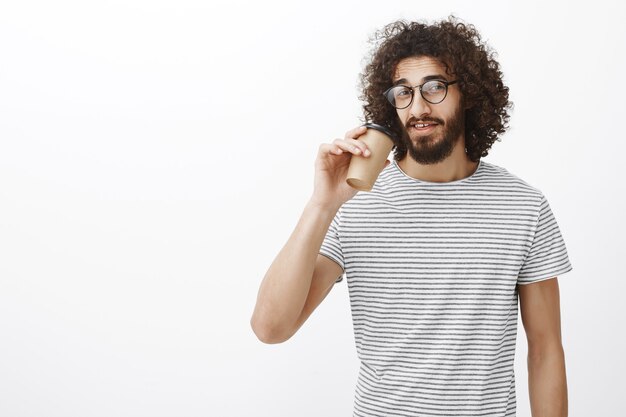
455,167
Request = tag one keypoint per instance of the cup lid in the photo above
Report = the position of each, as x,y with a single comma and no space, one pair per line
381,128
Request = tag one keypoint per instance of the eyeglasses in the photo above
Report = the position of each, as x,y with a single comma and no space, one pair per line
433,91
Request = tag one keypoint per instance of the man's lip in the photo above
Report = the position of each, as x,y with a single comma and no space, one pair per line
430,126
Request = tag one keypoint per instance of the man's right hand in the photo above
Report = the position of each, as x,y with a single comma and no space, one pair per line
331,169
300,277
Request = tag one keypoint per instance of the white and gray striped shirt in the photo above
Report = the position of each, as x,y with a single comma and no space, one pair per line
432,270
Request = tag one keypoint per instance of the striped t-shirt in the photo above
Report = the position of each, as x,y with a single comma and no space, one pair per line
432,270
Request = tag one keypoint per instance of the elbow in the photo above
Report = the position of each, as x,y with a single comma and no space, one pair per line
548,349
268,334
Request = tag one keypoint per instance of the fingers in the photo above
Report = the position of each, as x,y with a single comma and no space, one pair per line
338,147
348,144
356,132
351,145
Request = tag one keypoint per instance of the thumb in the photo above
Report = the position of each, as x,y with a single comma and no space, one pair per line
387,162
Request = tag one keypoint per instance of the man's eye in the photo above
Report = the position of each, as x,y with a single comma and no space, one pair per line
436,88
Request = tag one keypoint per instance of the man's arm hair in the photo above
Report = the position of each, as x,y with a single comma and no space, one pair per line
541,316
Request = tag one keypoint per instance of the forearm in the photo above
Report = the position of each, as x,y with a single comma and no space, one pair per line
547,383
286,284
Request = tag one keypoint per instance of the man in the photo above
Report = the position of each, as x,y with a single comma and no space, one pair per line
437,254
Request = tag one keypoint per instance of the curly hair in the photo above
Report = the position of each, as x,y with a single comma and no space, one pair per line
459,48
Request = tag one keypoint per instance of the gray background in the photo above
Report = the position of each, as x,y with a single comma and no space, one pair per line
151,168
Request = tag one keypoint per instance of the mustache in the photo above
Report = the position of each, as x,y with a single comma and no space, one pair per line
423,120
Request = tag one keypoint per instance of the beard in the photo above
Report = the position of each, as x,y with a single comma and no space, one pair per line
434,148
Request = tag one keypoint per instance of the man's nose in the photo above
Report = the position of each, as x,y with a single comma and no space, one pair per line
419,107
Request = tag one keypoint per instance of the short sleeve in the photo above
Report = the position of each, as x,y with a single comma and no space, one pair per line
547,256
331,246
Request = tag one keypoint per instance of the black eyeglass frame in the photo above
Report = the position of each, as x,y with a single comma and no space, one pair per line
412,89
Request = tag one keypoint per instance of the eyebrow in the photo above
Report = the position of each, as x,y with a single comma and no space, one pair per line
426,78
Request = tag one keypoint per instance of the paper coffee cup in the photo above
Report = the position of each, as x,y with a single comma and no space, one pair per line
364,170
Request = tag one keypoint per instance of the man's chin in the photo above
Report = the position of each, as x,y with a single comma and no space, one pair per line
417,139
429,149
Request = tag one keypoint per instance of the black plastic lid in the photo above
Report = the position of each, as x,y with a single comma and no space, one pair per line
381,128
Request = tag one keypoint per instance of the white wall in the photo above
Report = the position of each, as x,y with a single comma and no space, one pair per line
149,173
